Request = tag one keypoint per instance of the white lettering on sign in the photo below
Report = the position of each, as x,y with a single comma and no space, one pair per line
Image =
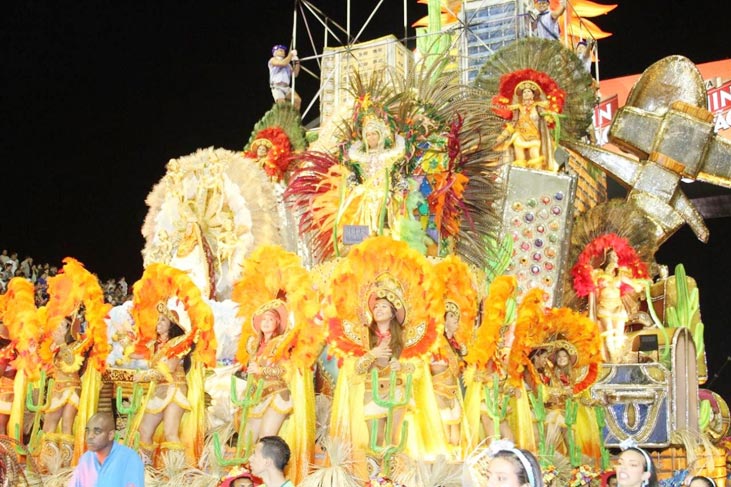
722,121
604,112
602,135
719,99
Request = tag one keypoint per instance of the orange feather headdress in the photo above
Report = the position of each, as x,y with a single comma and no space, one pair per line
272,277
159,283
72,287
350,285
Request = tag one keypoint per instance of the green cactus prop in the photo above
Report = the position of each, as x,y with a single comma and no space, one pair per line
686,309
601,421
390,402
135,401
43,401
250,397
497,405
539,410
572,409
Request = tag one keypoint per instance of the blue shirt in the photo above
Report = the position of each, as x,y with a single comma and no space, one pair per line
122,468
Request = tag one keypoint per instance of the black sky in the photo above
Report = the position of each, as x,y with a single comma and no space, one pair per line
98,96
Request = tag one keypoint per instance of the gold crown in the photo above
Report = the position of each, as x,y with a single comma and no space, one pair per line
527,84
388,287
451,306
273,304
262,141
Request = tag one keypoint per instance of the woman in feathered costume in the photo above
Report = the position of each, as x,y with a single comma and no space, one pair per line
543,92
280,341
24,323
574,345
485,375
66,350
385,310
175,334
413,160
7,374
447,361
612,246
275,138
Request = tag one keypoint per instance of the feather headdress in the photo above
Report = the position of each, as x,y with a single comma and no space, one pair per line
25,325
72,287
158,284
273,275
351,284
556,70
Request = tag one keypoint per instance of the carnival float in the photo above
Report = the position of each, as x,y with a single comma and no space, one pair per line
435,267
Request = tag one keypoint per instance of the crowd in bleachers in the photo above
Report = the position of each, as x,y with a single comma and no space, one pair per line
116,291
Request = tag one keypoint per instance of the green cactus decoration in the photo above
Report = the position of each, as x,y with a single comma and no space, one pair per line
42,403
221,457
660,326
390,403
497,405
18,443
687,307
680,315
601,421
134,404
250,397
704,414
572,408
539,409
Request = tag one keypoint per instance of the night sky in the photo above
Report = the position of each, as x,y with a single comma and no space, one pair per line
98,96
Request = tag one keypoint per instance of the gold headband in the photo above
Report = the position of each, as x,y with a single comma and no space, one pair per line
451,307
528,84
269,306
168,313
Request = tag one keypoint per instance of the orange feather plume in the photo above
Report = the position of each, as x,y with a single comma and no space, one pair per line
347,295
270,273
494,310
159,283
68,290
25,325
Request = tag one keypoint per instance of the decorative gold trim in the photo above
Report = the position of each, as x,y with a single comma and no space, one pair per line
352,332
413,335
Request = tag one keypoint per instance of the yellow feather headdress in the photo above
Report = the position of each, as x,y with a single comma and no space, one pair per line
460,294
351,284
159,283
25,325
272,276
72,287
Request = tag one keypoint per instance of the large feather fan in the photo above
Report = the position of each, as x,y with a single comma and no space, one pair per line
442,122
348,292
619,218
552,59
228,196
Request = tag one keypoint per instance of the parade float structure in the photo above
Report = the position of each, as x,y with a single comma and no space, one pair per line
451,193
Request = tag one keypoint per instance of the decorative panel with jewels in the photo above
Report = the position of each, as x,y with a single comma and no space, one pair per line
538,213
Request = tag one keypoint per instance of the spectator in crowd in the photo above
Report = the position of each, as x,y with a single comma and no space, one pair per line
116,292
269,459
107,463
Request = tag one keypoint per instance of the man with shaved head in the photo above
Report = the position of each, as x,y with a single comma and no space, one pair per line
106,463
